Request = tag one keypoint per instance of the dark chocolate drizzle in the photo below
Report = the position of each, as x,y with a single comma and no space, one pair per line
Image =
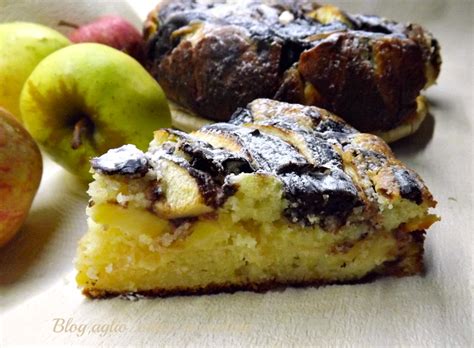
316,194
218,162
409,186
126,160
332,126
312,190
261,21
265,152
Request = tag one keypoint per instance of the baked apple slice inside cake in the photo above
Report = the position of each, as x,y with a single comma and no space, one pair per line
284,194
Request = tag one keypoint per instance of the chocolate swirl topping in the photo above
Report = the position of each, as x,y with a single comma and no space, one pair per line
126,160
301,146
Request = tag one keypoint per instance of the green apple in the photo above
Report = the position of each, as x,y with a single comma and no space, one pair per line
22,46
21,167
87,98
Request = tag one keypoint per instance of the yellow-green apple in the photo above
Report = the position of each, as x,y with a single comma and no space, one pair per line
21,167
87,98
22,46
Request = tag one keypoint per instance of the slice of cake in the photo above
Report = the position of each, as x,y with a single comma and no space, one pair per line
284,194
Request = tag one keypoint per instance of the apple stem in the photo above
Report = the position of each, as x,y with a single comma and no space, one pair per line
63,23
80,128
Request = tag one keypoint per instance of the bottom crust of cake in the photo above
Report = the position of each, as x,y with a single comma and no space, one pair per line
408,263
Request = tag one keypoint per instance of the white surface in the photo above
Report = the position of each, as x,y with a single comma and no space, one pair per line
38,292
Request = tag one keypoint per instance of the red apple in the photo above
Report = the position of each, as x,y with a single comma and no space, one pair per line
21,167
112,31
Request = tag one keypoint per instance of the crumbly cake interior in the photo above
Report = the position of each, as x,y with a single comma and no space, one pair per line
226,208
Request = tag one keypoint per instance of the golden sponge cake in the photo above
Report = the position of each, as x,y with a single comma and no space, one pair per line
284,194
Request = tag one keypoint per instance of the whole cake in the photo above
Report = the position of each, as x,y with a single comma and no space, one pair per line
211,57
283,194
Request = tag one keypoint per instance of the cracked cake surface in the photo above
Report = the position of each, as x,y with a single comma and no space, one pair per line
214,56
283,194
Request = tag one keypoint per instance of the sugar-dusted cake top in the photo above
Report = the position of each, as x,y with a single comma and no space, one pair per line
327,170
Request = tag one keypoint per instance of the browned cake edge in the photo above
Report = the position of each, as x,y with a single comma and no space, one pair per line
408,263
